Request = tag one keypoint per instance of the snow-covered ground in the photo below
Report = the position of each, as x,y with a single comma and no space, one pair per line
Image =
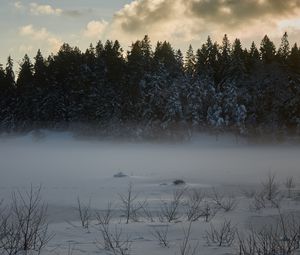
67,168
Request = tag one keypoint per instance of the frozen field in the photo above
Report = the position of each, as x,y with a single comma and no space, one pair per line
67,168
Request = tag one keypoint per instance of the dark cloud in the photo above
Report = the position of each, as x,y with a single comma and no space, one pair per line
239,12
144,14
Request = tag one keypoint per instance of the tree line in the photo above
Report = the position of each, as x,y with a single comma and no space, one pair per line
217,87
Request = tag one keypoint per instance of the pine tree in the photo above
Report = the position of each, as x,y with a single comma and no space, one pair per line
160,103
179,60
9,74
237,66
294,59
8,98
138,66
2,76
136,61
147,52
201,65
25,78
90,57
40,70
3,81
190,61
267,50
206,59
99,62
201,95
253,56
223,60
222,87
284,49
114,62
164,55
225,51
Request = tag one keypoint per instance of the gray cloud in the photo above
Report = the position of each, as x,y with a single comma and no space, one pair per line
144,14
238,12
72,13
141,15
77,13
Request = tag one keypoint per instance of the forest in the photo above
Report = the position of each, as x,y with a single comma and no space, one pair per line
220,87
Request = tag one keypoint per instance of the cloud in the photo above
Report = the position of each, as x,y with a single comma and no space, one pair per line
179,21
95,29
25,49
160,19
18,5
37,10
235,13
188,20
41,35
40,10
77,13
139,15
37,34
73,13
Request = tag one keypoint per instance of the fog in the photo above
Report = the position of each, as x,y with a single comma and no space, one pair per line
68,167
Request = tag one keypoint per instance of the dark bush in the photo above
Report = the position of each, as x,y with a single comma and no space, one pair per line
179,182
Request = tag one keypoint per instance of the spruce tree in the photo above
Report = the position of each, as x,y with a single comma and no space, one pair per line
25,78
225,51
40,70
190,61
237,66
254,56
267,50
284,49
294,59
179,60
9,74
2,77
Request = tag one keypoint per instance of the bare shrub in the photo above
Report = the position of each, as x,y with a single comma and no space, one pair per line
228,203
160,233
193,205
290,185
130,205
169,209
147,213
259,202
208,211
185,247
280,238
10,238
270,187
104,217
223,236
85,213
114,240
268,196
24,226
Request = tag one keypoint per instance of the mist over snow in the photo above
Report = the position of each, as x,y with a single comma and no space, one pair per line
98,172
67,166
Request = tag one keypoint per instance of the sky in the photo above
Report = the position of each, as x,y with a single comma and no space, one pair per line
29,25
